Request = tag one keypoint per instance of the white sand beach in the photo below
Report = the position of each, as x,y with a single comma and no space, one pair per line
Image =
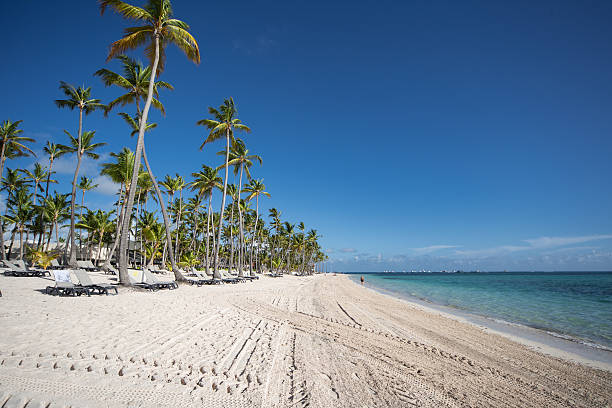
318,341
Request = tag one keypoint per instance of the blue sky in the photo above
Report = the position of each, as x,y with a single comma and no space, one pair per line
411,135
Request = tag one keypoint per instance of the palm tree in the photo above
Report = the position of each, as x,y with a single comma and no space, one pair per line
241,160
78,98
82,146
205,181
133,122
86,184
120,172
54,151
20,212
223,124
37,175
99,223
135,80
276,224
158,30
56,211
172,185
11,145
255,188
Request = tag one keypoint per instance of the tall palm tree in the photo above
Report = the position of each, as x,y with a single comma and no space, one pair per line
205,181
11,145
223,125
82,146
158,30
54,151
242,162
255,189
77,98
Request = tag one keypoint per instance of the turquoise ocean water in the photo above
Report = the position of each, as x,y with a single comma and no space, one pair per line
575,305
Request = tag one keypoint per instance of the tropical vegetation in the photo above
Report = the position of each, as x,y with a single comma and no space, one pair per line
172,223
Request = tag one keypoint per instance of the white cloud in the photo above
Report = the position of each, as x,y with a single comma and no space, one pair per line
348,250
433,248
105,185
534,244
550,242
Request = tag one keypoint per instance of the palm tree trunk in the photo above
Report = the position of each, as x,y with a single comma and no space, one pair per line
73,261
107,261
170,199
49,238
216,273
2,159
241,238
49,177
20,243
254,236
125,228
178,223
12,242
81,217
56,235
177,275
207,234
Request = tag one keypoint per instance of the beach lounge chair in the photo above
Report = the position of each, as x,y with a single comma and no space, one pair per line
205,280
15,270
152,280
85,281
140,283
64,286
87,265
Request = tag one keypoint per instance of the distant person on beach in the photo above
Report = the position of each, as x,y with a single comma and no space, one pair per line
362,280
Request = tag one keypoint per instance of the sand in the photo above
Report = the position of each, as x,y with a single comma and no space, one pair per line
320,341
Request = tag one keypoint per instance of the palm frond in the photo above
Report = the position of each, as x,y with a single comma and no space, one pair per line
184,40
135,37
126,10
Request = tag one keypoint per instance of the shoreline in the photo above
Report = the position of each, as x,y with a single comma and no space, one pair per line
540,340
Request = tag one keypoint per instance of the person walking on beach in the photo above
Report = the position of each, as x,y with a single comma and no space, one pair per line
362,280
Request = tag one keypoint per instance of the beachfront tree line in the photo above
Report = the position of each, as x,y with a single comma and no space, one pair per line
190,233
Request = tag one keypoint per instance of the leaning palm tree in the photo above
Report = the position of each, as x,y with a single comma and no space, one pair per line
78,98
11,145
82,146
158,30
223,125
255,189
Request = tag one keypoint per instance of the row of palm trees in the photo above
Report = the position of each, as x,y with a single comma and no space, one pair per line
235,236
